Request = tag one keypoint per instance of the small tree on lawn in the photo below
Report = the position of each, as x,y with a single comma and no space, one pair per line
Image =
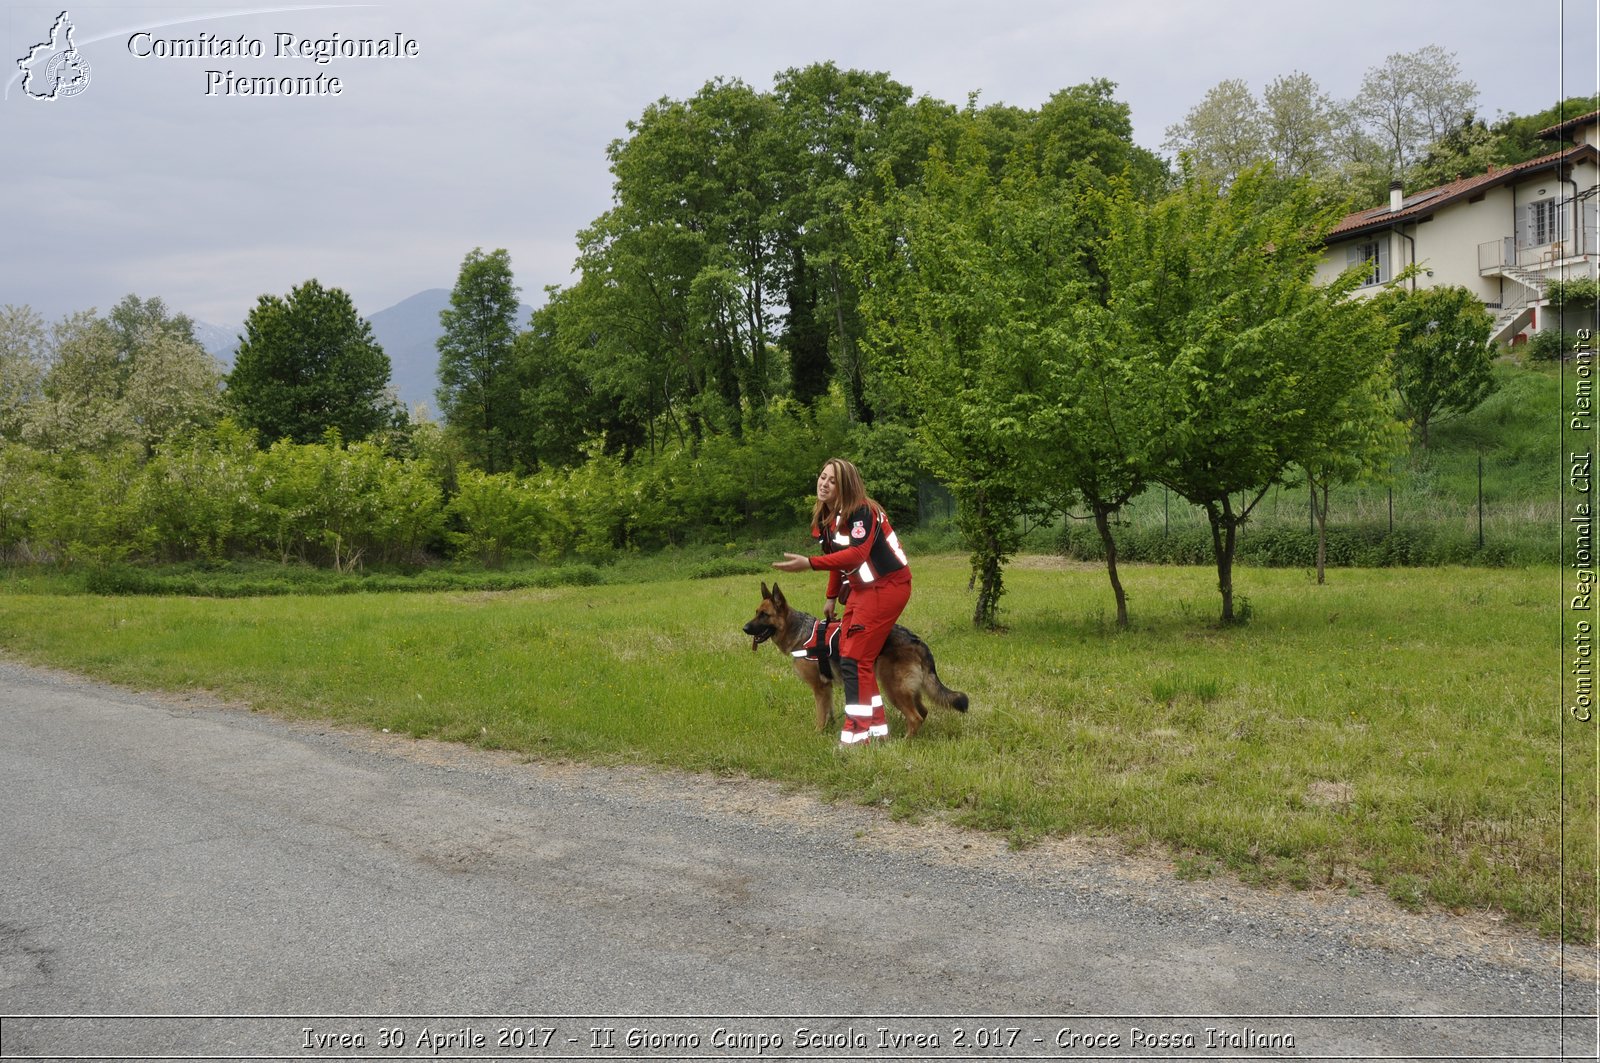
1246,367
1443,360
1364,439
941,330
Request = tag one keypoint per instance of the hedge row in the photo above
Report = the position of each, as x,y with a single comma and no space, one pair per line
1295,546
217,497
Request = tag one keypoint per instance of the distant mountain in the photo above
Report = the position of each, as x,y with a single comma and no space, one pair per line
219,341
408,332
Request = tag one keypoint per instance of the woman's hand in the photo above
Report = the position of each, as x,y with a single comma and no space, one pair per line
793,563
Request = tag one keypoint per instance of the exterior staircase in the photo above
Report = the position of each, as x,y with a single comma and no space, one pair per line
1515,314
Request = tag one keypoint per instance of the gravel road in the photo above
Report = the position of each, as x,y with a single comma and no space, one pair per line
180,877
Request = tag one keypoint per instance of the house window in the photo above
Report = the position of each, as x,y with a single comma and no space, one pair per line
1376,254
1544,222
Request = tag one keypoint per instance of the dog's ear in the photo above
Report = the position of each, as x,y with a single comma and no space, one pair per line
777,597
764,592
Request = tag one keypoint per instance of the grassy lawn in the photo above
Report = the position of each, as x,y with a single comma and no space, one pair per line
1397,729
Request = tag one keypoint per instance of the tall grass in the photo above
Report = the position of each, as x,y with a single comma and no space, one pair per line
1396,729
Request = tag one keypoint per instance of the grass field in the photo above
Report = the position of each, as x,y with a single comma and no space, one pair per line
1397,729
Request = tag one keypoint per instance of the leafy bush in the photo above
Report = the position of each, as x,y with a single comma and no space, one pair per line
1576,292
324,503
24,486
495,513
197,497
730,566
1545,346
887,453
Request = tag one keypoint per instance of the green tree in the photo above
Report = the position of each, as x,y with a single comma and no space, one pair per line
1212,297
718,280
134,376
1088,427
79,406
1077,446
1465,151
1409,101
976,282
1517,136
1443,360
843,134
1223,134
1298,126
1363,440
557,405
135,322
23,352
174,388
1082,137
168,383
927,330
687,259
671,316
308,363
478,387
624,329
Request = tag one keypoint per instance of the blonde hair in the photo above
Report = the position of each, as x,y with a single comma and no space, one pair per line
850,494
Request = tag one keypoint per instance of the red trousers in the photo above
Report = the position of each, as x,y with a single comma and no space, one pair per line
869,615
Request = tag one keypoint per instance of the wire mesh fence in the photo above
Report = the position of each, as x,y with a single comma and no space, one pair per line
1458,508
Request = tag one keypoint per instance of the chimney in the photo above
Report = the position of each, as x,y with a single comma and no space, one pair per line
1395,198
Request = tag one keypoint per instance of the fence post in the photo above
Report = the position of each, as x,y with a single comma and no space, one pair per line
1480,498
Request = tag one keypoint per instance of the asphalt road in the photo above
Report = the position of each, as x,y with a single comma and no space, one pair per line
304,892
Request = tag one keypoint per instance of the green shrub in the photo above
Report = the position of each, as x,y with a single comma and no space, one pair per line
329,504
197,497
1544,346
24,486
730,566
495,514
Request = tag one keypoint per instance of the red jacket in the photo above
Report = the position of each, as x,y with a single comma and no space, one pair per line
859,550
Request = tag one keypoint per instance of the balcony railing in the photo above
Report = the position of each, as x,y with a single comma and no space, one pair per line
1498,255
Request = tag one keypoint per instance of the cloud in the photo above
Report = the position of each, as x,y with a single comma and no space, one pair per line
495,135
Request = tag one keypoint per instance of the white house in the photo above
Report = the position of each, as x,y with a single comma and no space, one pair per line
1503,234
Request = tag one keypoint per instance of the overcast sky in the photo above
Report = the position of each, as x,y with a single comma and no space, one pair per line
494,134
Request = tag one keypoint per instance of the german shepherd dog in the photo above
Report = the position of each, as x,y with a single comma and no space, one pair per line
904,669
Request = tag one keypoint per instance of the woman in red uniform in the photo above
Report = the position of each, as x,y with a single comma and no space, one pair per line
863,558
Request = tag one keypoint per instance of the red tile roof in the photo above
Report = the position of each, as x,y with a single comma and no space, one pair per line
1555,132
1419,205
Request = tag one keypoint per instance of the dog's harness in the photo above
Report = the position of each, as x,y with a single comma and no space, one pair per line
822,644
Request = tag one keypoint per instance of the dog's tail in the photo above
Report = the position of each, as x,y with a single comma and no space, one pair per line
933,687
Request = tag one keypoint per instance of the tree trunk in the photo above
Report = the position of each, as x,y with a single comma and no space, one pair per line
987,561
987,564
1102,521
806,337
1223,540
854,389
756,390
